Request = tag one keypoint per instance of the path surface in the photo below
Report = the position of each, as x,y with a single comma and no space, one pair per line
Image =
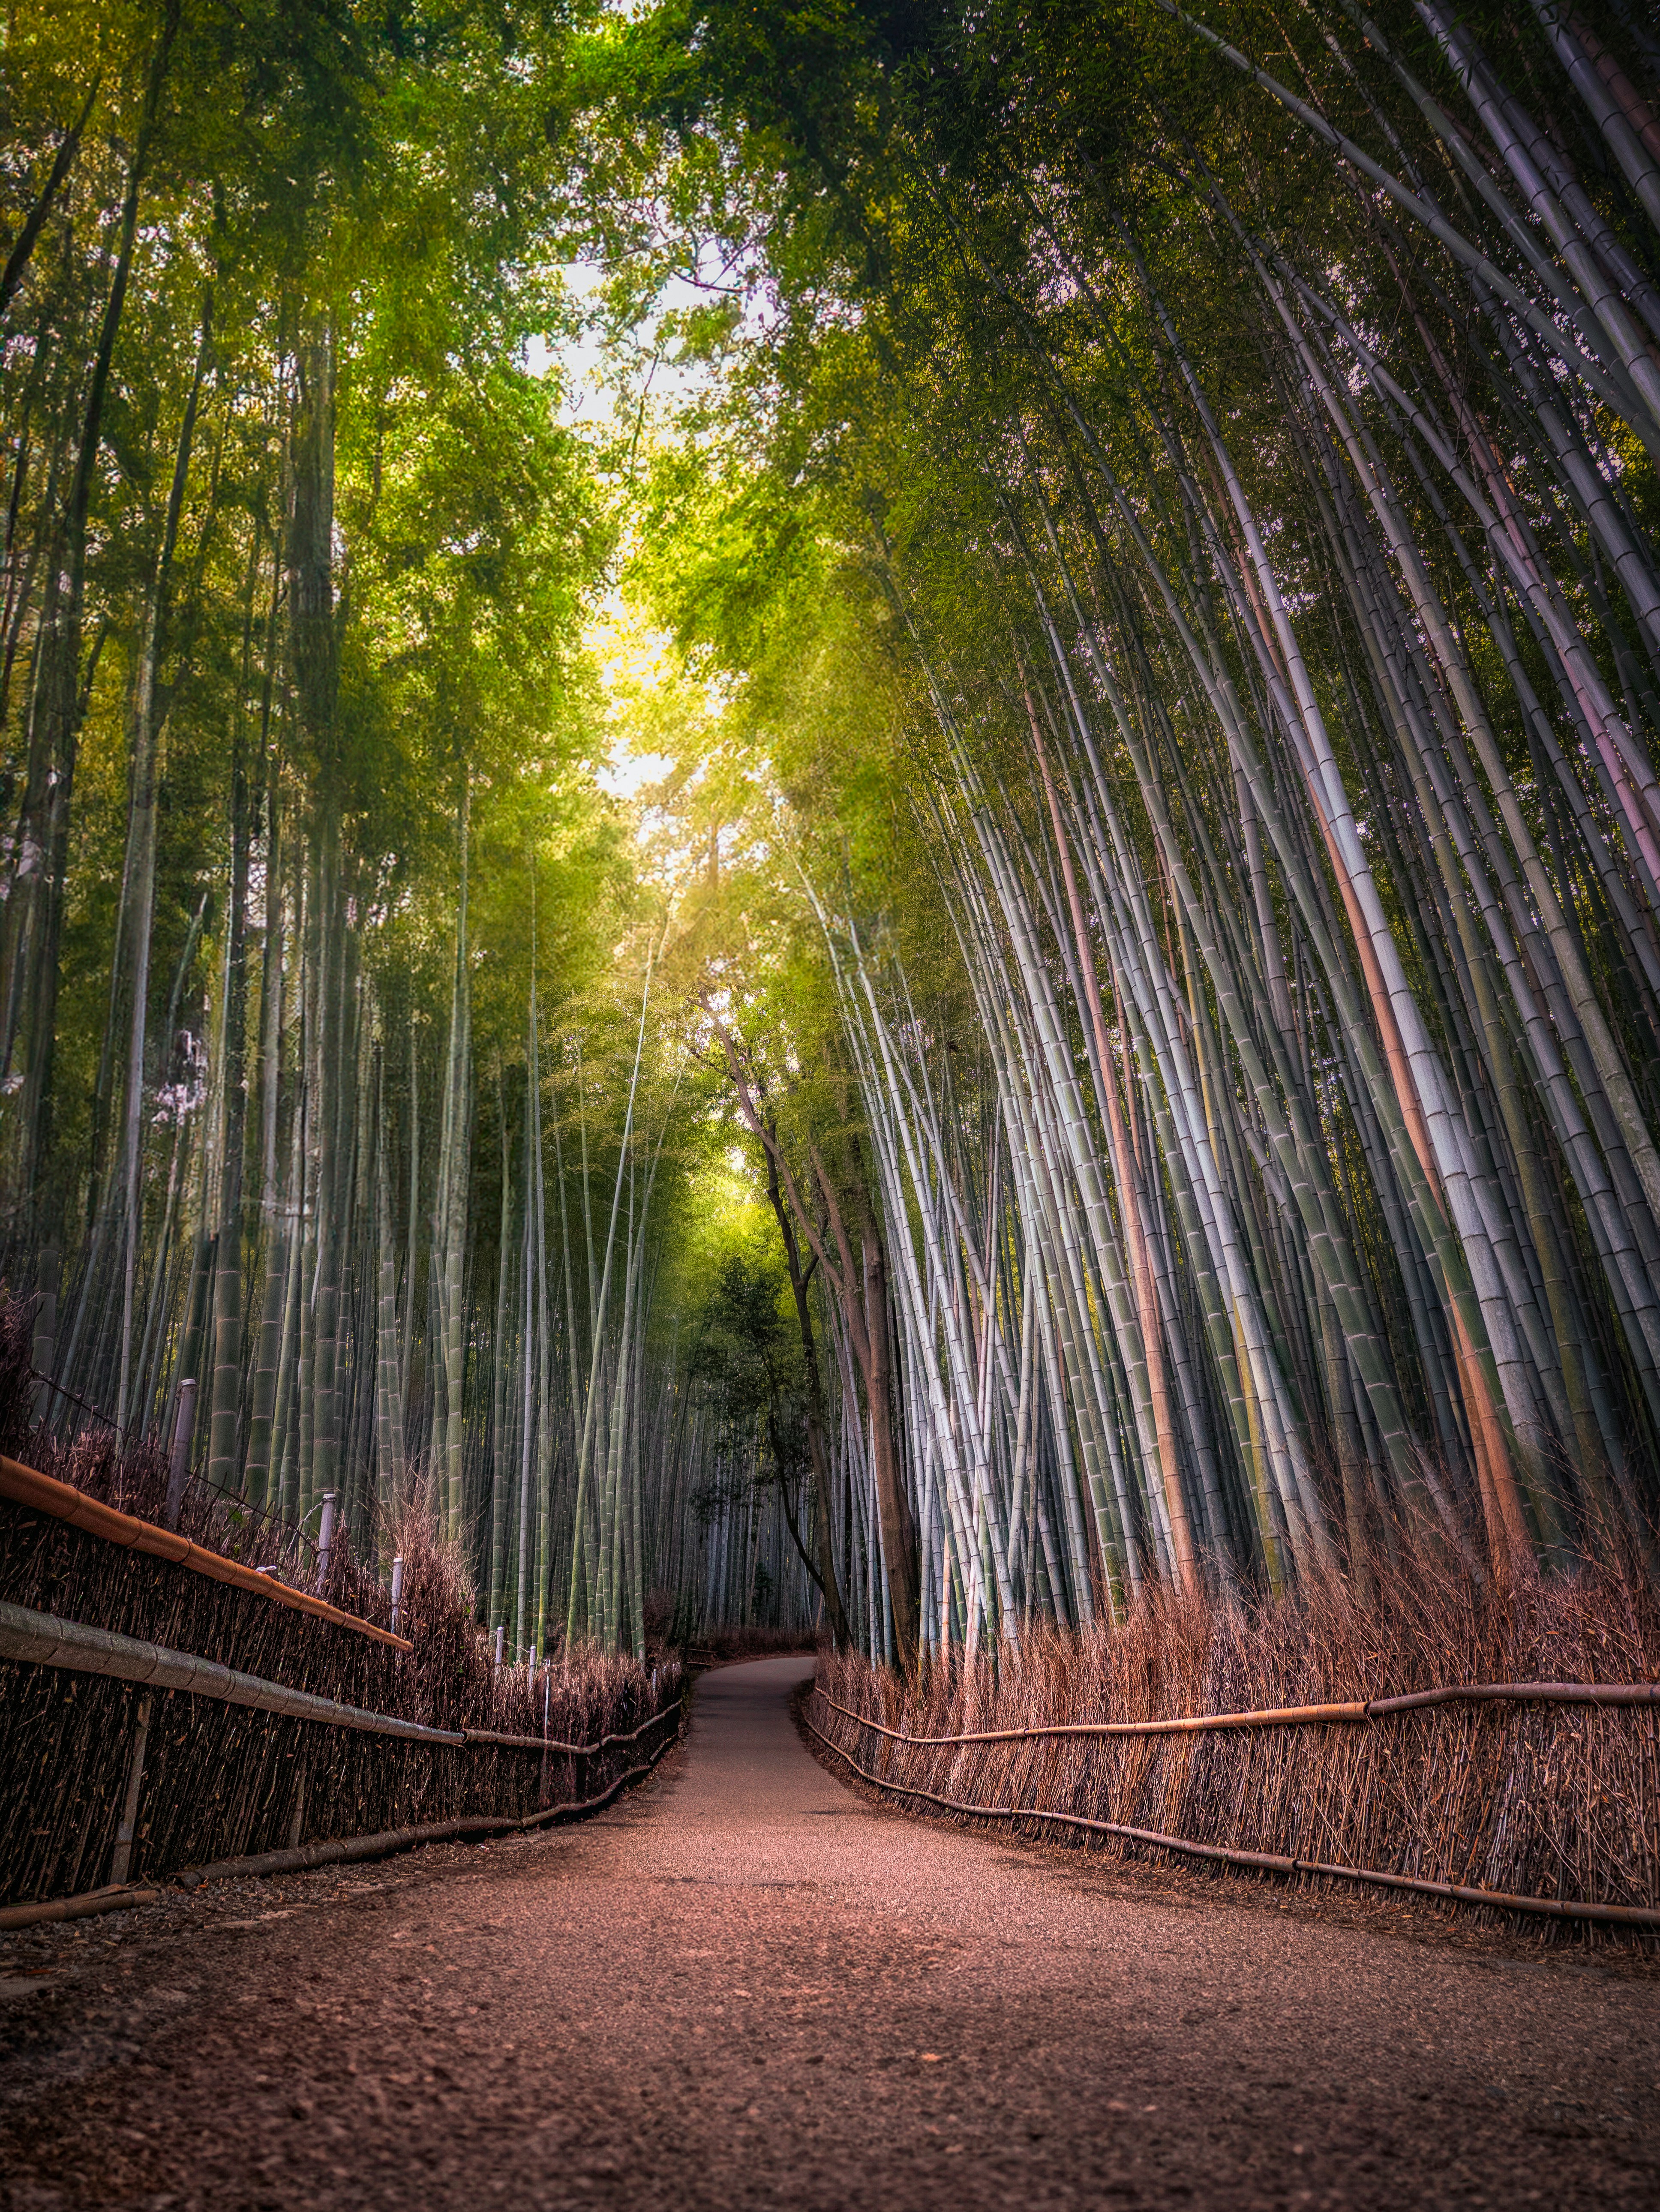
744,1986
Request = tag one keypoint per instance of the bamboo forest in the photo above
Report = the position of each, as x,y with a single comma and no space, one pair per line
853,818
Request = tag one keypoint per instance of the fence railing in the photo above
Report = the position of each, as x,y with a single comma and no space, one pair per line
48,1640
44,1493
1347,1712
225,1785
1360,1709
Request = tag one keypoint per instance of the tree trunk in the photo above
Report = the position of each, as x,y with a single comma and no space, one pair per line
818,1451
33,921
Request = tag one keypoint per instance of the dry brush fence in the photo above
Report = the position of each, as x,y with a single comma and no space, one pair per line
1554,1800
221,1778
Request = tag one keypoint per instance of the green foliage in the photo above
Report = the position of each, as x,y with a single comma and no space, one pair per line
970,381
744,1341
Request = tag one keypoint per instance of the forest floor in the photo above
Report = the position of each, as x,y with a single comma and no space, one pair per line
744,1985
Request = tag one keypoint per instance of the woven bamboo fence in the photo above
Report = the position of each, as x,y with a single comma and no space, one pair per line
223,1780
1554,1798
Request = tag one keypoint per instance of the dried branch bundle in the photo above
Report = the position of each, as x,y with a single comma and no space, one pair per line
1545,1800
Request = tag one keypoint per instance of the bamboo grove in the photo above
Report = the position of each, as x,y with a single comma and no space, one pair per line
1158,880
297,733
1243,433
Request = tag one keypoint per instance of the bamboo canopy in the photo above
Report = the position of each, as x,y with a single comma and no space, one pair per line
1121,1051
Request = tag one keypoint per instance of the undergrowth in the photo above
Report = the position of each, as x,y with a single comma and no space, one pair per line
1537,1800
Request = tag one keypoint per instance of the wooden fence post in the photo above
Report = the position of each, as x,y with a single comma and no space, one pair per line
179,1462
325,1538
297,1818
121,1857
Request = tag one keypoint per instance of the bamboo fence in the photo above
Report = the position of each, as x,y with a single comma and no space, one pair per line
1216,1733
162,1708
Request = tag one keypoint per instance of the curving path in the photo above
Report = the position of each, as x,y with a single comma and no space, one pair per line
744,1986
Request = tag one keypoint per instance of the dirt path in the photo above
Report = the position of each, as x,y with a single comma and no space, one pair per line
744,1986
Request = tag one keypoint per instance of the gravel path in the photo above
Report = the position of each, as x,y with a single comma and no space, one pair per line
744,1985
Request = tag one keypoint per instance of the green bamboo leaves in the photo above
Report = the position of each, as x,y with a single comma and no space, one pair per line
1263,546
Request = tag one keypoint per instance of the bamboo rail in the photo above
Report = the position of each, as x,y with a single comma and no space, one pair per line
1367,1709
44,1493
305,1855
45,1640
1629,1916
553,1743
118,1897
48,1640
